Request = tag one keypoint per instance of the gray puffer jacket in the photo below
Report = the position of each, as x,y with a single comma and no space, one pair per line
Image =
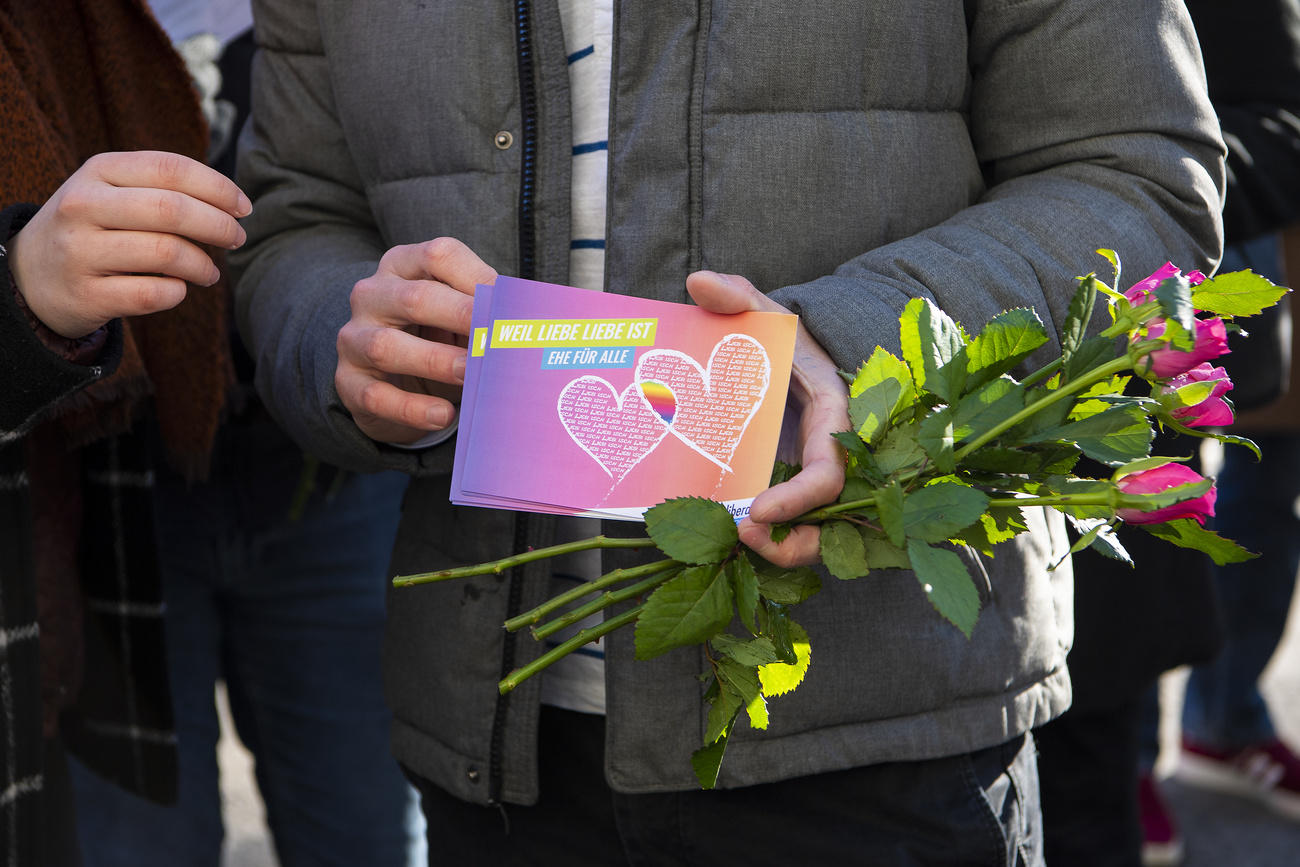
846,156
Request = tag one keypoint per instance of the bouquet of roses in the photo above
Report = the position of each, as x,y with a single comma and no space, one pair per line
947,448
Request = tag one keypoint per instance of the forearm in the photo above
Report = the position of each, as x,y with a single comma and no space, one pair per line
311,238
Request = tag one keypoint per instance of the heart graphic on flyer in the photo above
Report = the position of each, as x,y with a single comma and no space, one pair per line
713,406
618,431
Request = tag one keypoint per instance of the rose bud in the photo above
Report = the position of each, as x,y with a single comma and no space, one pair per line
1211,342
1140,291
1213,411
1162,478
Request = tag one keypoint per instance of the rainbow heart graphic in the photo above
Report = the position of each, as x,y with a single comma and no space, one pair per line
711,407
617,430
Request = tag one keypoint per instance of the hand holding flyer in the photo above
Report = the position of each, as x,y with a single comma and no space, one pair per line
626,402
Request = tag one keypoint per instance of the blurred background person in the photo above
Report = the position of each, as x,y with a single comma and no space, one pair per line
1102,804
273,581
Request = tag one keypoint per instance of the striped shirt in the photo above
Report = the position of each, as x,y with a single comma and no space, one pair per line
577,682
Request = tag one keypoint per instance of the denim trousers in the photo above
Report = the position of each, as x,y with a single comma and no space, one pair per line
1257,508
976,809
288,610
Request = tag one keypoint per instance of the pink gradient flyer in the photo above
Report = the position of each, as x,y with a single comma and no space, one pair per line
588,403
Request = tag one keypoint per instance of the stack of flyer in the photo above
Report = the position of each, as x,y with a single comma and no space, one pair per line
588,403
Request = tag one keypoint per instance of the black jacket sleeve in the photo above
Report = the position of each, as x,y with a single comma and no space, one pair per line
1252,63
34,377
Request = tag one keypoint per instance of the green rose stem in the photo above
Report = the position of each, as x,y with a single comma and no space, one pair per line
1124,325
519,675
1098,373
600,603
496,567
609,579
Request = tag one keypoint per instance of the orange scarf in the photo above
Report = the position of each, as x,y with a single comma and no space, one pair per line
79,77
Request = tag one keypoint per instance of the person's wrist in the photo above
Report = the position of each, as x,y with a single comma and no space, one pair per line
78,350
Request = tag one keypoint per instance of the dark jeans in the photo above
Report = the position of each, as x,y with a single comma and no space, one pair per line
976,809
1087,762
289,612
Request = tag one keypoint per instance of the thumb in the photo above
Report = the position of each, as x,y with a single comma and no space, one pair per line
728,293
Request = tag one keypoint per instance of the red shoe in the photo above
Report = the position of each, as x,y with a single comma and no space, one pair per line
1162,844
1268,772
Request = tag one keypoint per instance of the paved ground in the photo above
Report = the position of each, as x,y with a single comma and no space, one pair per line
1220,831
1223,831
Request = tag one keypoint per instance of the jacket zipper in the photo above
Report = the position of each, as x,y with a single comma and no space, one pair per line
527,270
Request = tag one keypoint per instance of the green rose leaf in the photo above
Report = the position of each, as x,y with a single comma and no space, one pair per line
882,385
1006,340
778,678
856,489
1098,534
685,610
782,472
724,705
982,409
882,553
994,527
1074,329
1101,396
842,551
744,585
1186,533
899,450
1194,392
776,625
692,530
1230,440
936,436
1175,297
1093,352
786,586
752,652
1115,436
997,459
889,505
707,762
931,341
743,681
946,583
861,464
1239,293
1143,464
1113,258
939,511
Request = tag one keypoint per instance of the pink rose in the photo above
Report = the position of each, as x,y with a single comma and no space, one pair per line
1211,342
1162,478
1140,290
1214,411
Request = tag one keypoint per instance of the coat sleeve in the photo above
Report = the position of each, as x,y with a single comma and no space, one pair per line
1094,129
311,237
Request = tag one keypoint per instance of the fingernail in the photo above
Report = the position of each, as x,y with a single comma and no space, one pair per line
439,417
243,236
458,368
244,206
